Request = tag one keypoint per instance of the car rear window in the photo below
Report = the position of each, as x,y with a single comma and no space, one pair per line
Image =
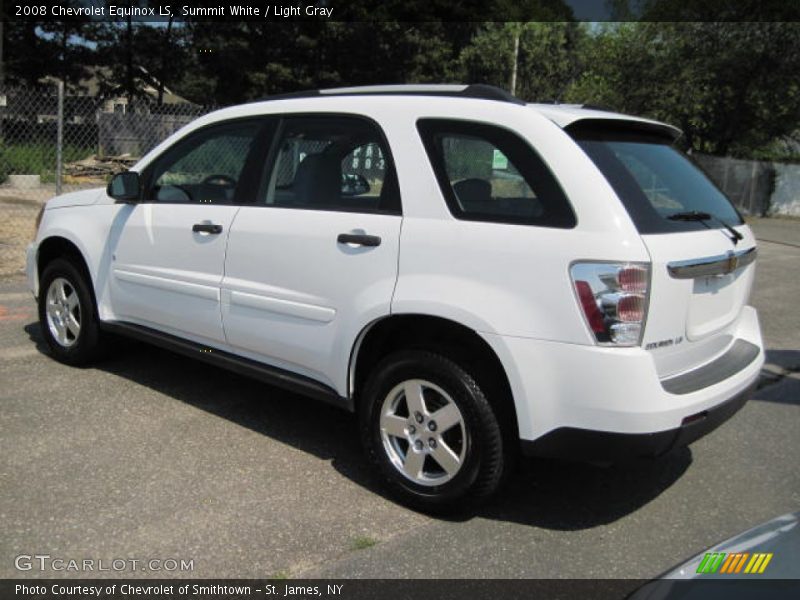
655,180
487,173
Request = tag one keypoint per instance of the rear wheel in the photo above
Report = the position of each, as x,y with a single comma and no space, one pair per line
67,314
430,432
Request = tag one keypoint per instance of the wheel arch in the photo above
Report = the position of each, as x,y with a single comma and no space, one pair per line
57,246
457,341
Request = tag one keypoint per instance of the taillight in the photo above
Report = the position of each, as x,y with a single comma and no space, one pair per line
633,278
613,298
593,314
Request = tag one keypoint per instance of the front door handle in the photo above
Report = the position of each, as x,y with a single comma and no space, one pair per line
207,228
359,239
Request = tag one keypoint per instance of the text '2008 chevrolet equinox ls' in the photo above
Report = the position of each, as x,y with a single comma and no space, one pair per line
472,275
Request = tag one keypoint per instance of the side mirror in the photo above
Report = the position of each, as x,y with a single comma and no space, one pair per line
125,187
354,184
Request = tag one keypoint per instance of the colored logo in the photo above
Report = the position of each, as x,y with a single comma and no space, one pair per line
734,562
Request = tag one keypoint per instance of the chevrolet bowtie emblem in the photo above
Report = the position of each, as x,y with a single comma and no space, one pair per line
733,262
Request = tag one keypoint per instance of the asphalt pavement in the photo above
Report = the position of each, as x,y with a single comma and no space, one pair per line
149,455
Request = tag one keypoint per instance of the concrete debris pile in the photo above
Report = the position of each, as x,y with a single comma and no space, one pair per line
99,167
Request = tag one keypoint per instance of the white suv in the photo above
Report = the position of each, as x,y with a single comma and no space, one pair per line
470,274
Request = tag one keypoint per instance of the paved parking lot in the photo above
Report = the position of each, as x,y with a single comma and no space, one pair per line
153,456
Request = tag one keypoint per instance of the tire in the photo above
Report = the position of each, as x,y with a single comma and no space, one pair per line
67,314
394,436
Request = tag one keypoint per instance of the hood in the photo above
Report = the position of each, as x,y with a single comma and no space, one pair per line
715,573
80,198
779,537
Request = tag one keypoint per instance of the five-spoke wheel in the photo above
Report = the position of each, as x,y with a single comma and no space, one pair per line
423,432
63,312
430,431
67,313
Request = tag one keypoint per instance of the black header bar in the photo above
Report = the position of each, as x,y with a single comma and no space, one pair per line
206,11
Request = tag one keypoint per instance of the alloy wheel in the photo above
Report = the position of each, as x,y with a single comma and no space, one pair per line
63,312
423,432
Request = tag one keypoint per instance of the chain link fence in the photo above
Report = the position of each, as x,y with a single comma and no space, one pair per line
53,143
757,188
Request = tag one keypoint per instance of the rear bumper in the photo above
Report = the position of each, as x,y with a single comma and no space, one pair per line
561,390
584,444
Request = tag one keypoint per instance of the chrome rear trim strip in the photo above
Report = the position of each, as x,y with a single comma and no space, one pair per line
711,265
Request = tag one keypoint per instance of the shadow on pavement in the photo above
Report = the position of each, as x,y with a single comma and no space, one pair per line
543,493
570,496
779,380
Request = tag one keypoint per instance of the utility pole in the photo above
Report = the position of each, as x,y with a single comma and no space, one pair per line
60,139
2,65
513,86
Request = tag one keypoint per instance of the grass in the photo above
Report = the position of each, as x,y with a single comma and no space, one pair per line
279,575
363,542
37,158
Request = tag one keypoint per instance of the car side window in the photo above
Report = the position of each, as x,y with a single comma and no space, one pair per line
206,167
332,163
488,173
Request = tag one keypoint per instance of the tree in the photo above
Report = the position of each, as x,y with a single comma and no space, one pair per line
547,59
732,87
63,44
134,54
274,58
35,50
26,59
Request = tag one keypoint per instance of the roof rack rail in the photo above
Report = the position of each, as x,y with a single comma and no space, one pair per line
599,107
474,90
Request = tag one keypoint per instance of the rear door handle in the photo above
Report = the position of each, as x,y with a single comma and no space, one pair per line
359,239
207,228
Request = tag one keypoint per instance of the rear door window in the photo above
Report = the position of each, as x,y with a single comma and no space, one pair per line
332,163
487,173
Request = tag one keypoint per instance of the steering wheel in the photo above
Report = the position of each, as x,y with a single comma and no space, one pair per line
220,180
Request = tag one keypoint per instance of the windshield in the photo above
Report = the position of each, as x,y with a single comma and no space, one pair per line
655,181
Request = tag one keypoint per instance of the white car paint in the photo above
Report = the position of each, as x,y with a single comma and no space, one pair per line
165,275
305,313
276,288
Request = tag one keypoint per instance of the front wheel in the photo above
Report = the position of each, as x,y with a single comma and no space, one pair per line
67,314
428,428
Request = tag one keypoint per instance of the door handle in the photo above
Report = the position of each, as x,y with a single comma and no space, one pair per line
207,228
359,239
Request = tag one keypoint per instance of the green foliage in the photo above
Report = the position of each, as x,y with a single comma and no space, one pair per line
363,542
36,159
548,58
34,51
780,150
278,576
274,58
732,87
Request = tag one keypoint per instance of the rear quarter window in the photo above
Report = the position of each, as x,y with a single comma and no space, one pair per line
487,173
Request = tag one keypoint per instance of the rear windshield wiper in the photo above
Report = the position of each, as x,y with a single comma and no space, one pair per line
702,217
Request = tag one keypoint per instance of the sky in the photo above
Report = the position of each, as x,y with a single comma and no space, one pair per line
589,10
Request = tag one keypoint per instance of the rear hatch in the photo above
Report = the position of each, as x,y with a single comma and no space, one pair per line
702,253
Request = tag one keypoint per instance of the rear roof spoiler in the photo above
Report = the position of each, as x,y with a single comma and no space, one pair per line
603,127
